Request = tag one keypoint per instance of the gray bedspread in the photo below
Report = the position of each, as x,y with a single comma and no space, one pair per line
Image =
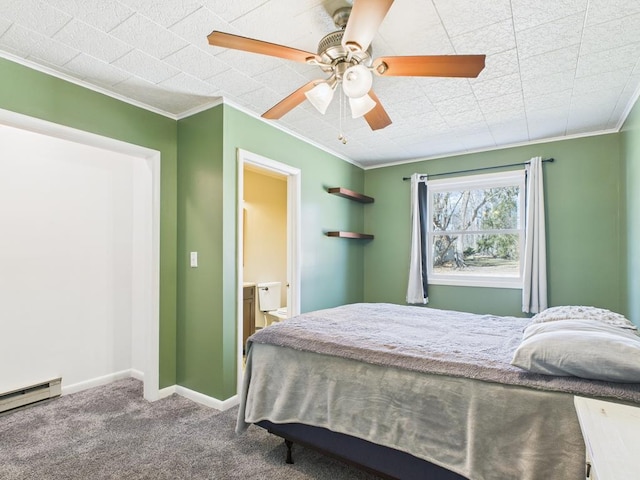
429,340
436,384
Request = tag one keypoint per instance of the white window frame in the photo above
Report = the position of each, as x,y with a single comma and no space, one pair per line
471,182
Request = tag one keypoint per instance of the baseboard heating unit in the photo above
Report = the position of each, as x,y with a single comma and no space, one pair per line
31,394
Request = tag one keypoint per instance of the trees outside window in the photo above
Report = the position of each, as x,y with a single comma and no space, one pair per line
476,230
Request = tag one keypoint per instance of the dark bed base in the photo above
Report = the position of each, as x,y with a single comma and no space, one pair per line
383,461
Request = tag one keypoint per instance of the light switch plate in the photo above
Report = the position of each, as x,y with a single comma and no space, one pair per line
194,259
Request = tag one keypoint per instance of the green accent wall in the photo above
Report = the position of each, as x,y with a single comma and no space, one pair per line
42,96
630,181
331,270
583,208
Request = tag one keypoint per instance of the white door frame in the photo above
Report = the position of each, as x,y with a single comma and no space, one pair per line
148,302
294,200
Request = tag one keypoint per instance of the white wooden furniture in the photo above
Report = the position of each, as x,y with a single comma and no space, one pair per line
611,434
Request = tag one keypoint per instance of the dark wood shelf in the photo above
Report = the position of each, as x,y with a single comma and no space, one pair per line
350,194
341,234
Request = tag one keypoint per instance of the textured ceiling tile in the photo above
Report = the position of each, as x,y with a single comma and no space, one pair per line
510,132
551,36
494,38
146,67
102,14
166,14
463,119
616,33
198,25
508,101
547,123
607,81
288,28
496,87
561,60
440,89
234,81
544,84
34,14
150,94
513,115
602,11
251,64
456,105
262,100
96,71
4,26
92,41
282,80
529,14
185,83
618,58
197,62
549,100
588,115
27,43
229,10
478,141
461,16
148,36
413,28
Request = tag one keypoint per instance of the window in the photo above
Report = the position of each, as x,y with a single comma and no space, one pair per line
476,230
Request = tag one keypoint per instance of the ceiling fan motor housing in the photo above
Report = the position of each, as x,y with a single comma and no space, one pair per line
332,53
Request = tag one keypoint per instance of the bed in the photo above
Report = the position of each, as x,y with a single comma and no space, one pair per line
416,392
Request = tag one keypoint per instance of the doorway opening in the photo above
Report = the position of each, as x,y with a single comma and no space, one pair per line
283,241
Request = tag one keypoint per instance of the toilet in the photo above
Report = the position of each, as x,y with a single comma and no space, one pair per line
269,302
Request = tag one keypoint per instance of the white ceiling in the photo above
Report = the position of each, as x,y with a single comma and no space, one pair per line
554,68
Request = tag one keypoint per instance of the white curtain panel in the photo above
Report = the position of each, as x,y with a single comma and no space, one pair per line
534,291
415,290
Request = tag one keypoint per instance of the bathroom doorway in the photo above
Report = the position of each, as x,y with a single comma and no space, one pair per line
268,242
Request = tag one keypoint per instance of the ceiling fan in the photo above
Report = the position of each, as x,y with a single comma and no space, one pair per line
345,55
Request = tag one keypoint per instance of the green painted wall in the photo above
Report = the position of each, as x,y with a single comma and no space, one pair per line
38,95
583,227
630,141
207,210
200,191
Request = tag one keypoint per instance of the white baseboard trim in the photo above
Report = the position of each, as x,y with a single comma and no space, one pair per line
192,395
166,392
96,382
206,400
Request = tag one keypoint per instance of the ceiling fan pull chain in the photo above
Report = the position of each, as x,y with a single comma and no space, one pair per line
342,111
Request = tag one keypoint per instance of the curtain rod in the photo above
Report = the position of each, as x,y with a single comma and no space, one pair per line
478,169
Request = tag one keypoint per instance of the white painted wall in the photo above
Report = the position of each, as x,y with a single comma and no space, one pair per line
74,220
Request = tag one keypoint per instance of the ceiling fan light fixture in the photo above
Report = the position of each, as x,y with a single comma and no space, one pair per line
361,106
357,81
320,96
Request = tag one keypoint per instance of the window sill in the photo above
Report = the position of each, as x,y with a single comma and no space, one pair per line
515,284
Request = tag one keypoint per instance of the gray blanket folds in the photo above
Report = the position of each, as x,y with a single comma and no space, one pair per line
431,341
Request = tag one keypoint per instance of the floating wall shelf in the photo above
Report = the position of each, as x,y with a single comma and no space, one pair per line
364,236
350,194
357,197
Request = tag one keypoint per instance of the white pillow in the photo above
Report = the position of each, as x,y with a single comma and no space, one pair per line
582,348
581,312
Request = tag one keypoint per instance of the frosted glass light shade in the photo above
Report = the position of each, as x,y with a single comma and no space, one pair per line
356,81
320,96
361,106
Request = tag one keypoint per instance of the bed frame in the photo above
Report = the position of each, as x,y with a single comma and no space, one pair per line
380,460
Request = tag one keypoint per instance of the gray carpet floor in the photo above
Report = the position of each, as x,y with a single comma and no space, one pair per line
111,432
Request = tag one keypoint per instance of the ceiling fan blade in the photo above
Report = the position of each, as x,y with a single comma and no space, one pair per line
377,118
287,104
430,66
228,40
364,20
